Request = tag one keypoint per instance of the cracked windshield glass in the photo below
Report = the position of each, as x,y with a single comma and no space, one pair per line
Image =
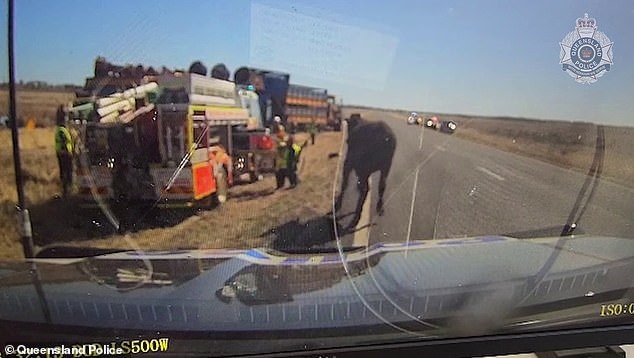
348,171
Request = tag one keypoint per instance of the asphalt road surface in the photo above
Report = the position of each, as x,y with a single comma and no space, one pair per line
441,186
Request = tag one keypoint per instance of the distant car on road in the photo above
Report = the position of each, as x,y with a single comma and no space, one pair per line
448,127
432,122
414,118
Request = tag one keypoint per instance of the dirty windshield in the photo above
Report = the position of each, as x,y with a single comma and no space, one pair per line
411,169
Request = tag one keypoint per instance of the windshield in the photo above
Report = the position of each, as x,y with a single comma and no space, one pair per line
414,170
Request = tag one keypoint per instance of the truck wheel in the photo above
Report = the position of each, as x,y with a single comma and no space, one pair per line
208,203
254,174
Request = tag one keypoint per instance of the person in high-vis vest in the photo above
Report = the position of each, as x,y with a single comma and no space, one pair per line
293,159
286,162
223,172
64,150
281,162
312,130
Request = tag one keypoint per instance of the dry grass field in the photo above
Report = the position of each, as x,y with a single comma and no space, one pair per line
254,215
41,178
39,105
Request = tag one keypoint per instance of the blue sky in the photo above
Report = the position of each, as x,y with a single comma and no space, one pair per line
476,57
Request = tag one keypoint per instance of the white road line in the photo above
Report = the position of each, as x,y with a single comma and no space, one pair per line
436,222
509,172
411,211
441,148
487,171
402,183
362,236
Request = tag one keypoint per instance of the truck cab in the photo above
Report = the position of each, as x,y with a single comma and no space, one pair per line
252,148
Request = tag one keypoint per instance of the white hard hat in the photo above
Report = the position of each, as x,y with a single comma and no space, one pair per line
277,119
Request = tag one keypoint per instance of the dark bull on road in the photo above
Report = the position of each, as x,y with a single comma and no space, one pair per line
371,147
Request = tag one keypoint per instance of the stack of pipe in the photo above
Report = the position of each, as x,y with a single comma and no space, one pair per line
122,106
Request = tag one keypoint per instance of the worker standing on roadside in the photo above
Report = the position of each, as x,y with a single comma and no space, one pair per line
312,130
287,158
64,151
223,172
294,151
281,162
278,127
266,142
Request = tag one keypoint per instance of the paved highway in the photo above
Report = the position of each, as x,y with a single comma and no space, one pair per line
441,186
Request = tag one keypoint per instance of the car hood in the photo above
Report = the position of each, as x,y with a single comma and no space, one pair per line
422,286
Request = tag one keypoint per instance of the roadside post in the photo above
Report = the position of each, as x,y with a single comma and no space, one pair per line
23,214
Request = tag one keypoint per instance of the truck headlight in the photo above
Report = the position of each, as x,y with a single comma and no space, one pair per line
240,163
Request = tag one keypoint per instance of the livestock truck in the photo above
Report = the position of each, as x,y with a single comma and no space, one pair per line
306,105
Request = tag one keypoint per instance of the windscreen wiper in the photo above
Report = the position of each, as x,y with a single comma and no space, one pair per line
550,231
592,178
66,252
581,204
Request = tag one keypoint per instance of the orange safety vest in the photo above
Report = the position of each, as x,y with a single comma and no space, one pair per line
218,155
266,142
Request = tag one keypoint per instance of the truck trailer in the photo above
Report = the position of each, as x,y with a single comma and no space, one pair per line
305,105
